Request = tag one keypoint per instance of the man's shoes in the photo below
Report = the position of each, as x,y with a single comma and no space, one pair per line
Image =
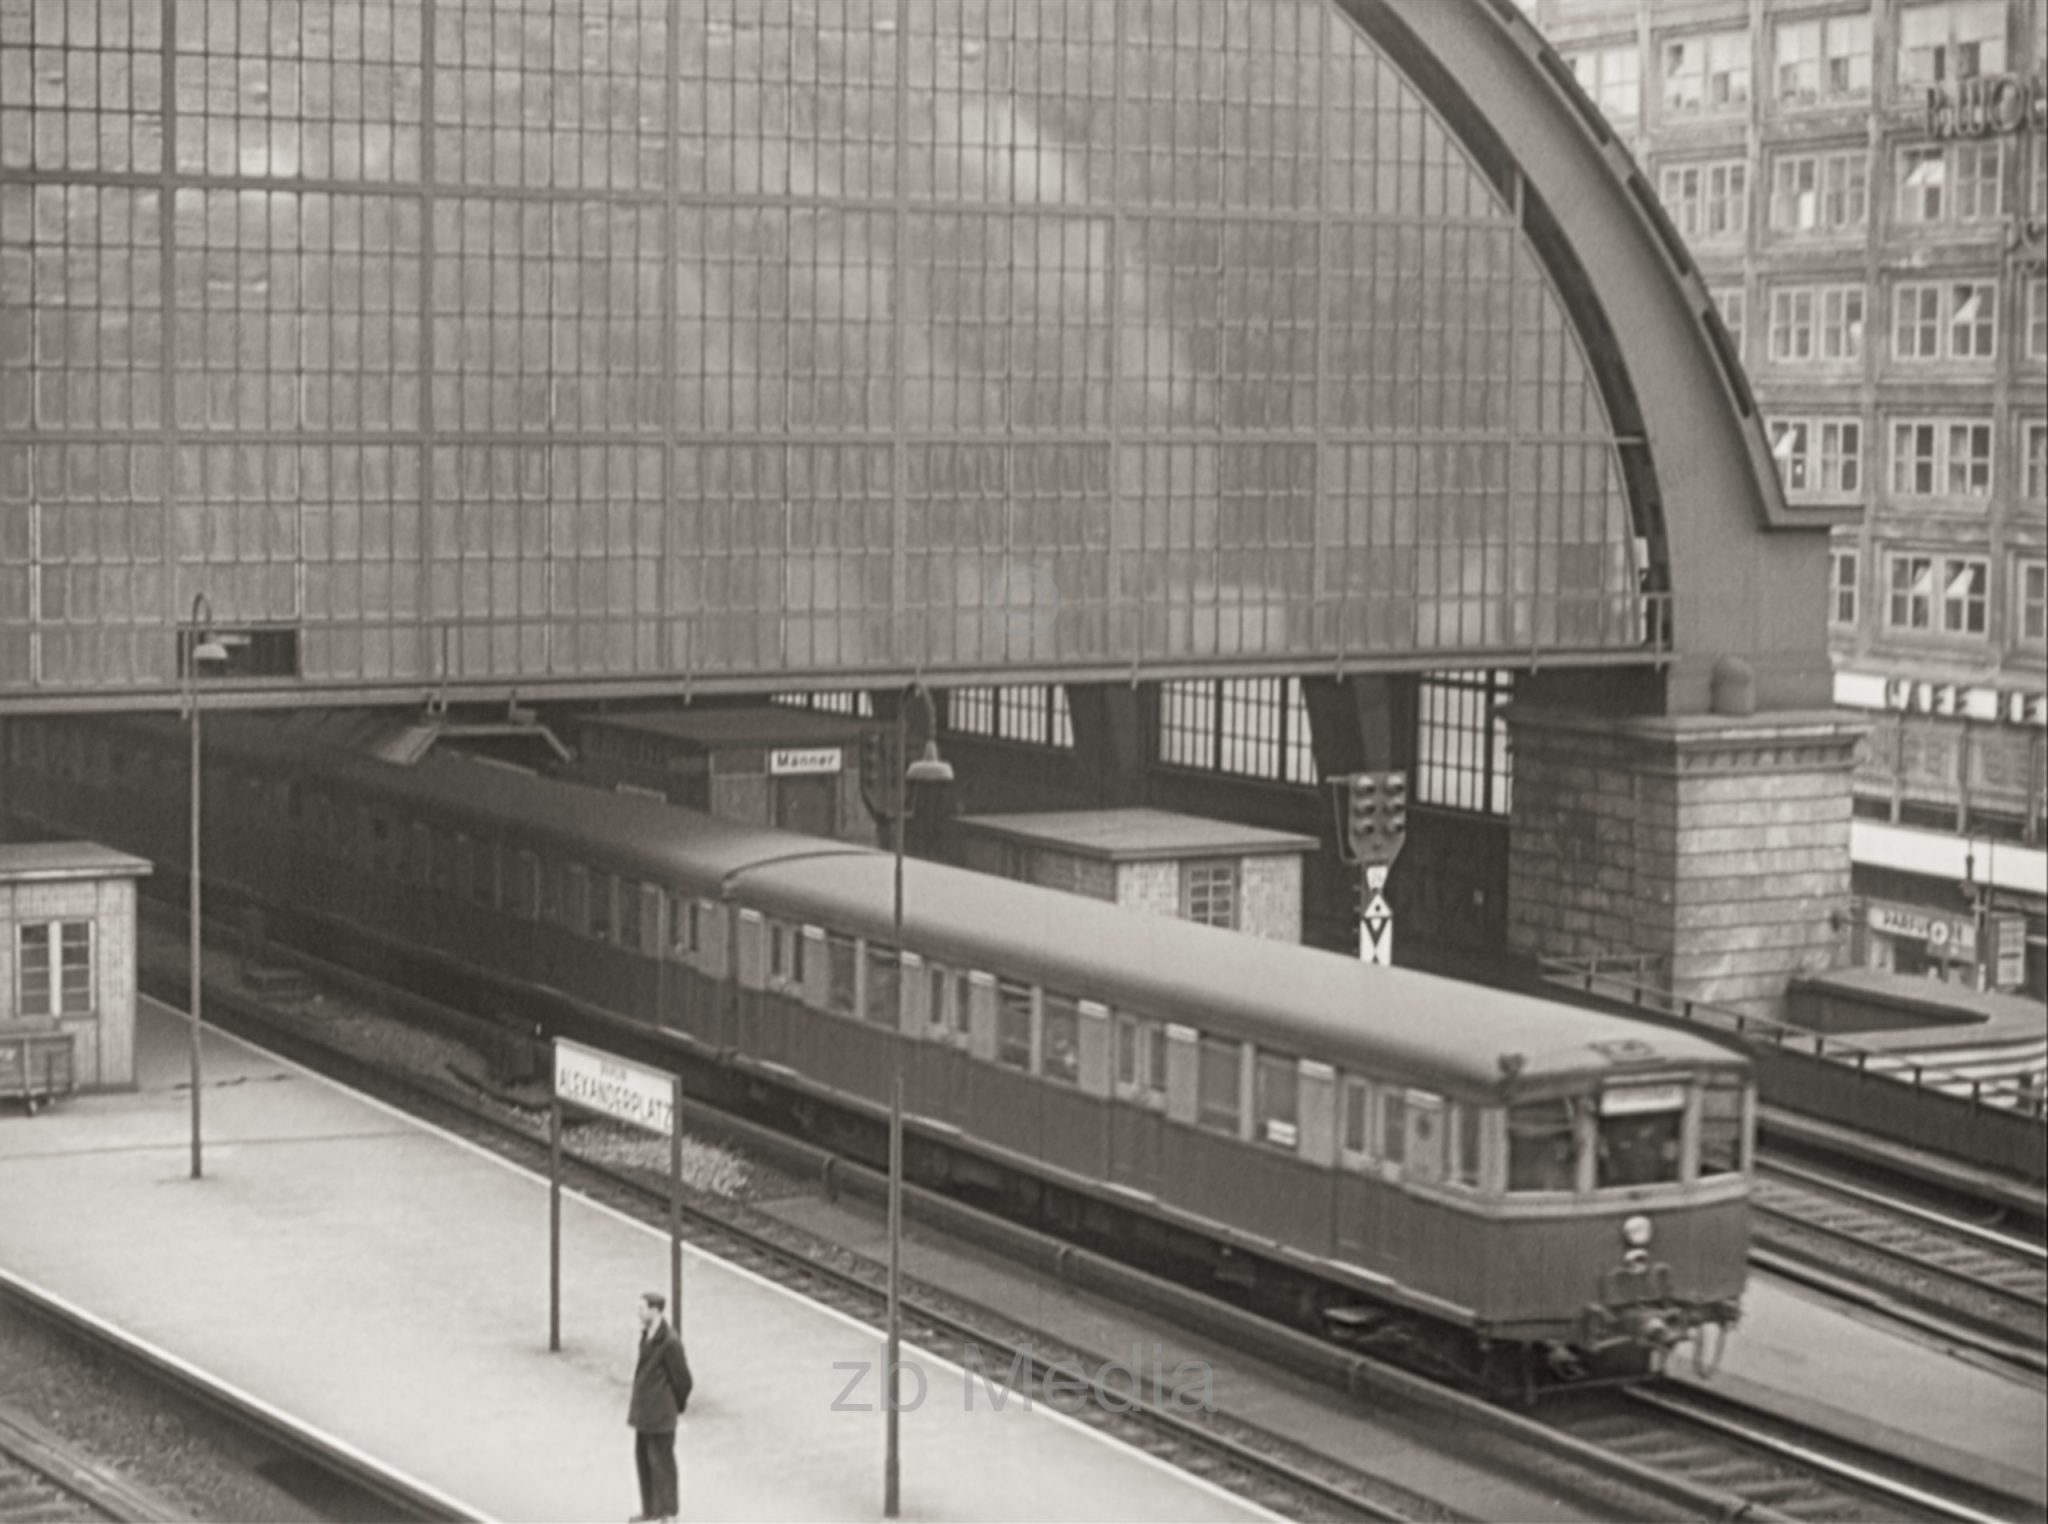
643,1518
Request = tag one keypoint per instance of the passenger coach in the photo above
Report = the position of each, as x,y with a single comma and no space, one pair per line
1410,1154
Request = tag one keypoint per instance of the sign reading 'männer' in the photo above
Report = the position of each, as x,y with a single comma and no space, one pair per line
637,1096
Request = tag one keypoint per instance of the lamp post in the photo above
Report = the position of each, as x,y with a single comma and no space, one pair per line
930,768
200,647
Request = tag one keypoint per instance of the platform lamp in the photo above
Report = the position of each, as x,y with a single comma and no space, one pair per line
200,646
929,768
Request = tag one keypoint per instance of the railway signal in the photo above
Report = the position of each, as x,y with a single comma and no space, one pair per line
1374,818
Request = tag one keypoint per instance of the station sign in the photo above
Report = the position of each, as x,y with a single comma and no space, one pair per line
616,1087
1989,105
1934,930
801,761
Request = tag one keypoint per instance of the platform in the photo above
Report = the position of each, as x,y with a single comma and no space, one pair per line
387,1285
1852,1374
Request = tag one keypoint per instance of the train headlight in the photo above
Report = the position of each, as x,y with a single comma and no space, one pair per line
1635,1232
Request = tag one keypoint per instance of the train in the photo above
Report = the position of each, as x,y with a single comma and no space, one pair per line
1533,1191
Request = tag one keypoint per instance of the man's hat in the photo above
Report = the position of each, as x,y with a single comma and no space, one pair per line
655,1300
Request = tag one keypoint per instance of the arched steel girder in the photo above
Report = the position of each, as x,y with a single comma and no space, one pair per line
1746,574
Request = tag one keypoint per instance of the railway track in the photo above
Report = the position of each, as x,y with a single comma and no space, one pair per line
43,1480
1977,1286
1769,1471
1769,1468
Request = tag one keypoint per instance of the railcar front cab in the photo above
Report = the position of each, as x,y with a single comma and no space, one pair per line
1628,1151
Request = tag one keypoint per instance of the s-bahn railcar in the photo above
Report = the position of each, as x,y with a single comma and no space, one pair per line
1549,1181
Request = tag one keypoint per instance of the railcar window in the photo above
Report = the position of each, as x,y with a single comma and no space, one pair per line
1543,1149
1216,1092
602,889
940,983
629,914
1465,1132
483,884
839,973
686,928
1393,1126
1013,1025
1277,1116
520,886
885,986
1356,1139
1141,1056
1636,1147
963,1004
1721,1128
785,945
1062,1038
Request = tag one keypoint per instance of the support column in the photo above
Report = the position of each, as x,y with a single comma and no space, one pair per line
1715,846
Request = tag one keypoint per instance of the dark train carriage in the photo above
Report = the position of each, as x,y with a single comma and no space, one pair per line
1532,1171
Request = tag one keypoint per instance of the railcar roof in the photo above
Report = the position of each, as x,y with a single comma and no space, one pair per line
1313,1003
1302,1000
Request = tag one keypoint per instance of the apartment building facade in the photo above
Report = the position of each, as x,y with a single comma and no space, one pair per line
1864,184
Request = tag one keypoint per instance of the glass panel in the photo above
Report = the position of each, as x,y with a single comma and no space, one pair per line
1013,1025
1062,1038
1542,1147
1639,1148
884,992
1277,1118
1721,1127
840,964
1216,1091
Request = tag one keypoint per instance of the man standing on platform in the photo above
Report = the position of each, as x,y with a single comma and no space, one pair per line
661,1392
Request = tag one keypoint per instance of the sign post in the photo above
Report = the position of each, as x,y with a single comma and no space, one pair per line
1376,924
640,1097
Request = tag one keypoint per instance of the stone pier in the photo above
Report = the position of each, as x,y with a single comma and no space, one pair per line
1714,846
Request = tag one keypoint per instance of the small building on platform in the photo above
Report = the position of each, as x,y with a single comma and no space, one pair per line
1211,871
67,968
795,769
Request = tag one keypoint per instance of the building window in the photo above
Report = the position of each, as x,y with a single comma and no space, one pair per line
1461,742
1842,580
1912,593
1816,323
1708,72
1819,457
2037,461
1965,585
1209,893
861,704
1820,192
1734,307
1941,44
1613,77
1945,320
1957,183
1941,457
2033,622
1254,727
1033,713
1824,59
1707,201
55,962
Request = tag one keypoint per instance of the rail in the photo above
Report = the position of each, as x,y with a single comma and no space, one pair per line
1628,978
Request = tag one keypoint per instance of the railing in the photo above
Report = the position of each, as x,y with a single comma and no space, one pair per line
1631,979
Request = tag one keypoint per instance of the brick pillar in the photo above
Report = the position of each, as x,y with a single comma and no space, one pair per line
1716,845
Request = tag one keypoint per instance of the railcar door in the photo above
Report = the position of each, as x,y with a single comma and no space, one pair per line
1137,1124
